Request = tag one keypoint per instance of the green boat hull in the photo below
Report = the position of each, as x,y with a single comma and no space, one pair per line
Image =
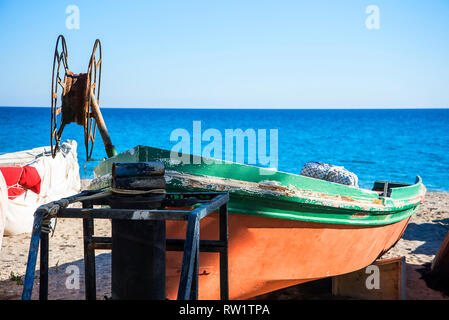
274,194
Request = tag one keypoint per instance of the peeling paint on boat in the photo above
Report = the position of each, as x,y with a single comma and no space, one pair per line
272,188
359,215
279,194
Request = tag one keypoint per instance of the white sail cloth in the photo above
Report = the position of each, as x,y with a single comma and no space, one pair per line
59,178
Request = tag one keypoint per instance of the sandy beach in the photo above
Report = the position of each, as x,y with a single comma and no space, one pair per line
419,244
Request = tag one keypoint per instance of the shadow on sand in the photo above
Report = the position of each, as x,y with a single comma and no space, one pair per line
65,282
432,234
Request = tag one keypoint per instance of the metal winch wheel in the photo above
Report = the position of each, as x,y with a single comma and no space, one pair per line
60,56
79,99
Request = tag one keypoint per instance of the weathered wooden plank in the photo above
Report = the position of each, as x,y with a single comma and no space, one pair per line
382,280
139,183
131,169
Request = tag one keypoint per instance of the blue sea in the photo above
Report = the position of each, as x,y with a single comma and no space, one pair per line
376,144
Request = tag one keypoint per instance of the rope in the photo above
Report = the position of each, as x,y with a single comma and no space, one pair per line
16,185
136,192
51,211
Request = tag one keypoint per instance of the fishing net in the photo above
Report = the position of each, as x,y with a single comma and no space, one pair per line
330,173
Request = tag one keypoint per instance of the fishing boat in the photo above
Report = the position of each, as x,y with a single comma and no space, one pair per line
284,229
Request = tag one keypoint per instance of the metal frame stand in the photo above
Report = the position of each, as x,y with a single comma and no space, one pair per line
191,245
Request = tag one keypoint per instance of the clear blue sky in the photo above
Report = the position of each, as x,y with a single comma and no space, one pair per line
234,53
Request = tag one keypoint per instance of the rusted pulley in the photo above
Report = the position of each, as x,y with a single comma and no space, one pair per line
79,99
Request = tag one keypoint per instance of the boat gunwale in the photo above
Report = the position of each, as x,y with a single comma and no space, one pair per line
400,205
386,207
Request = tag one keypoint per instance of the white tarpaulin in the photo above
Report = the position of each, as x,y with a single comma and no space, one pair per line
59,178
3,206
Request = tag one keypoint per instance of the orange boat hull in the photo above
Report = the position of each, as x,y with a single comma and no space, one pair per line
268,254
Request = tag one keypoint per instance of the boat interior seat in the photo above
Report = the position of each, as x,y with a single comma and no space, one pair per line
383,187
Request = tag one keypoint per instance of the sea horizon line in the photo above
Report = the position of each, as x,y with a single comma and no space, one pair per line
259,108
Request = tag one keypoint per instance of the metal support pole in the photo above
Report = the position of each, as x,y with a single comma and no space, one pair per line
189,257
224,281
196,266
138,246
89,257
43,272
32,255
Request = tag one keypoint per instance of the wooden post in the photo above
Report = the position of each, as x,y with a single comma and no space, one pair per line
224,282
43,272
440,264
139,183
110,149
138,260
382,280
138,247
89,257
140,169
